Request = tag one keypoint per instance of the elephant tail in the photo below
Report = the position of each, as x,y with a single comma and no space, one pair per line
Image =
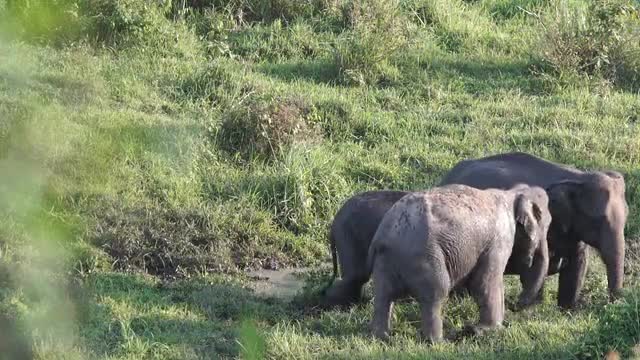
334,256
371,255
334,259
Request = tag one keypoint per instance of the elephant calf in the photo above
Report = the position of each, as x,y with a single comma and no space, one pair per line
350,236
430,241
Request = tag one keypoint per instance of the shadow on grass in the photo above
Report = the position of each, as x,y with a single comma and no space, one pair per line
485,76
199,317
416,172
316,71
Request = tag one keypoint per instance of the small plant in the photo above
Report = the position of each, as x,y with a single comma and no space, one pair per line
377,32
266,128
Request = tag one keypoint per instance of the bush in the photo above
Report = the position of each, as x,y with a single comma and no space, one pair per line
601,40
213,83
264,129
377,32
141,25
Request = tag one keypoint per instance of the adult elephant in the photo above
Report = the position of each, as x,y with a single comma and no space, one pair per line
587,208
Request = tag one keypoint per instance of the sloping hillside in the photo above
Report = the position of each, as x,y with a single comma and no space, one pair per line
151,152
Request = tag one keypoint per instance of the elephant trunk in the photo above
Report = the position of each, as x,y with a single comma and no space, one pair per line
613,256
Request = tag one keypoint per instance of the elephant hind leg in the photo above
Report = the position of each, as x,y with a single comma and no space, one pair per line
345,292
431,319
385,293
430,288
487,287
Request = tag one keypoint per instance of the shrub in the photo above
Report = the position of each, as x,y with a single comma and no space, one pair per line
139,24
377,32
601,40
266,128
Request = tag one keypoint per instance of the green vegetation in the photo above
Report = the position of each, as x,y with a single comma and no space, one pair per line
151,151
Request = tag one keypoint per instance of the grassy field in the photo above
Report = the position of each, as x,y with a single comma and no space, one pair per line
152,152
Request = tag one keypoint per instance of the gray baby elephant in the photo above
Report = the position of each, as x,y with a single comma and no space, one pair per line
350,236
432,240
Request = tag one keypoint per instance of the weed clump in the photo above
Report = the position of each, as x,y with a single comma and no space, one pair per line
265,129
377,32
601,40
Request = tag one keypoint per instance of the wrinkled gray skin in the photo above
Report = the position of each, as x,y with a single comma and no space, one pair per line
588,208
350,236
431,241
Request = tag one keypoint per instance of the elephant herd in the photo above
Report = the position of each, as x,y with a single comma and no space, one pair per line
511,213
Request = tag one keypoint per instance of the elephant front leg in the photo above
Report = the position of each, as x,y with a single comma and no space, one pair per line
533,278
572,276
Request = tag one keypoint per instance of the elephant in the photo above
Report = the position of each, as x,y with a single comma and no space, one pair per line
587,208
430,241
350,235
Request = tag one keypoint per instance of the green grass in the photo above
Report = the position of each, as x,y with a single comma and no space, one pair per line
133,201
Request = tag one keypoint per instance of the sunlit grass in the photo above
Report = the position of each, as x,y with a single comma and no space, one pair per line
121,210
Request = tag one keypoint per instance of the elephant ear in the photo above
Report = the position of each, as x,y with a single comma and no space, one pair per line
593,197
528,214
562,201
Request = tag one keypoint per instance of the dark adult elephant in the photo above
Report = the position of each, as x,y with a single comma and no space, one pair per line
588,208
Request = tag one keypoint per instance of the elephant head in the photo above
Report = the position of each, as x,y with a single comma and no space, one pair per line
532,219
593,209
